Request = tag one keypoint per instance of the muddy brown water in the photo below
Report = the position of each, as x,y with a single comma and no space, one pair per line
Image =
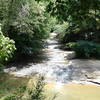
73,91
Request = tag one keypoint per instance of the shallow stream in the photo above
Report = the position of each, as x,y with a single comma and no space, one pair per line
64,80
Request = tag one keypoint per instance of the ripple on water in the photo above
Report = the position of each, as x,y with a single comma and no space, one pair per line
56,67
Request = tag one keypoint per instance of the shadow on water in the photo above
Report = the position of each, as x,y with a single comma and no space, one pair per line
24,61
52,63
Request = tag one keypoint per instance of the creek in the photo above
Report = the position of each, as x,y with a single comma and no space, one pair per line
68,82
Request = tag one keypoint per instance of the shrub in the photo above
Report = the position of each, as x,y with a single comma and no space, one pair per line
9,97
60,28
85,49
27,25
75,33
37,90
69,45
7,48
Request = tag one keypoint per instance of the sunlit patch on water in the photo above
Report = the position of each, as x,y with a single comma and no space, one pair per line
57,67
54,68
58,86
73,91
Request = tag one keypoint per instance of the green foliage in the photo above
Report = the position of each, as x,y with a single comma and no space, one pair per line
26,22
52,23
37,92
85,49
10,97
82,16
10,84
60,28
74,34
22,88
72,10
3,9
7,48
17,95
20,91
70,45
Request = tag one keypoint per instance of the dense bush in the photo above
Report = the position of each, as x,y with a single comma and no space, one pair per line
52,23
85,49
7,48
37,91
83,18
69,46
9,97
73,34
60,28
27,24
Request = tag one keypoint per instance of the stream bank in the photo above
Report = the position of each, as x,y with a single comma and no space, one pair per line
58,67
70,79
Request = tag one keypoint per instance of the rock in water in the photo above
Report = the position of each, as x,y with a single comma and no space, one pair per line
70,55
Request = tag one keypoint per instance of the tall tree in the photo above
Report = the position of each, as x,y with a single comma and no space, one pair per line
83,16
26,23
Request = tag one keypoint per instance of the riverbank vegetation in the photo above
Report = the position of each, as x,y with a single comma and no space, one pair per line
9,84
25,88
83,24
26,24
29,23
23,30
7,48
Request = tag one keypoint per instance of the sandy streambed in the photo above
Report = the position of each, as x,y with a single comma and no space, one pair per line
72,91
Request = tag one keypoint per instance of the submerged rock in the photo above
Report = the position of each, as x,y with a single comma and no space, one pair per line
70,55
12,69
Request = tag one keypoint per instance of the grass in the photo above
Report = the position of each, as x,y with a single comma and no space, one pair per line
9,83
